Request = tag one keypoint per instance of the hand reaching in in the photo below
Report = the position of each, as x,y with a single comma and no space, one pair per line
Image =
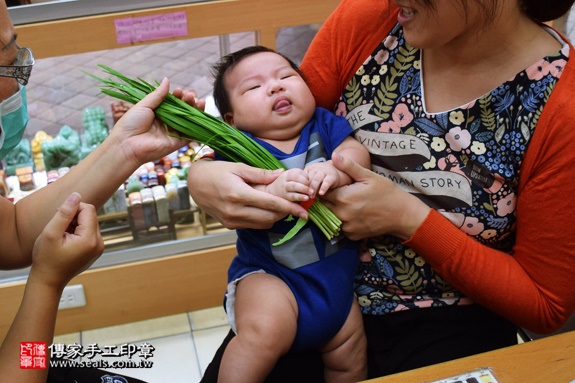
373,205
68,245
143,138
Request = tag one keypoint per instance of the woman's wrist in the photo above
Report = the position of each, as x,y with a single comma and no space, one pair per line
46,286
413,216
115,149
112,160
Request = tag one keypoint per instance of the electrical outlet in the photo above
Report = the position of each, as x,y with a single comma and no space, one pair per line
72,296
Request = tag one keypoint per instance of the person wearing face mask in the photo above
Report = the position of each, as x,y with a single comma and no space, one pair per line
13,110
55,229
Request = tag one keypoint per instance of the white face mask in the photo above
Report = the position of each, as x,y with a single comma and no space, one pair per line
13,121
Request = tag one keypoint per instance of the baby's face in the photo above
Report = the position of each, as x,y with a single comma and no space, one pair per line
268,97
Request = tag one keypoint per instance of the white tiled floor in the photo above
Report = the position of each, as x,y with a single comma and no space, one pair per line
184,344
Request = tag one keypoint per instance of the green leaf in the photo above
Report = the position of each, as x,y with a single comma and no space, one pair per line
293,231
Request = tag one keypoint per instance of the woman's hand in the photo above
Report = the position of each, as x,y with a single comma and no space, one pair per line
224,191
141,137
68,245
373,205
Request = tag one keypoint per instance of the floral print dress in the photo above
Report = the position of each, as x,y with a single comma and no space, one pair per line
464,162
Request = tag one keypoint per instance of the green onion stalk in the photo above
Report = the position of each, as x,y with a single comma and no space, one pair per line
196,125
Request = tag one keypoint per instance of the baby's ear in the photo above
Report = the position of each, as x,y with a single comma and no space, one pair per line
229,118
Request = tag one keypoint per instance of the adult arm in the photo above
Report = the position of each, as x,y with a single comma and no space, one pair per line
342,44
533,287
225,192
59,254
136,138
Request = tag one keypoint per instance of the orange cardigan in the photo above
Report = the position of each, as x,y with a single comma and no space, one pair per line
535,287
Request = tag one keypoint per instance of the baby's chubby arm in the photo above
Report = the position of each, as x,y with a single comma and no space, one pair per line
324,176
292,185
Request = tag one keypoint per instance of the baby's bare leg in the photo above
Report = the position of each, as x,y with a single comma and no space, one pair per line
345,356
266,320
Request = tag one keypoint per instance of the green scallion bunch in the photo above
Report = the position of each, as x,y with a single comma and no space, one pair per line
228,141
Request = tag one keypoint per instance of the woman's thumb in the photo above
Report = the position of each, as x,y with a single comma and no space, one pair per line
65,214
155,98
350,167
259,176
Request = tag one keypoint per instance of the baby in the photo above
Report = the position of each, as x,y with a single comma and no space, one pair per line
298,295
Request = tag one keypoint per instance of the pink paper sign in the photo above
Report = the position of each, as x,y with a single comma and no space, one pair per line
146,28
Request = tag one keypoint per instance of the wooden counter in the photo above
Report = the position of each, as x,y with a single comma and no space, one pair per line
136,291
547,360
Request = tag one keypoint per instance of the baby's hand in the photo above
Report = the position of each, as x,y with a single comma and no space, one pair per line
322,176
293,185
190,97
